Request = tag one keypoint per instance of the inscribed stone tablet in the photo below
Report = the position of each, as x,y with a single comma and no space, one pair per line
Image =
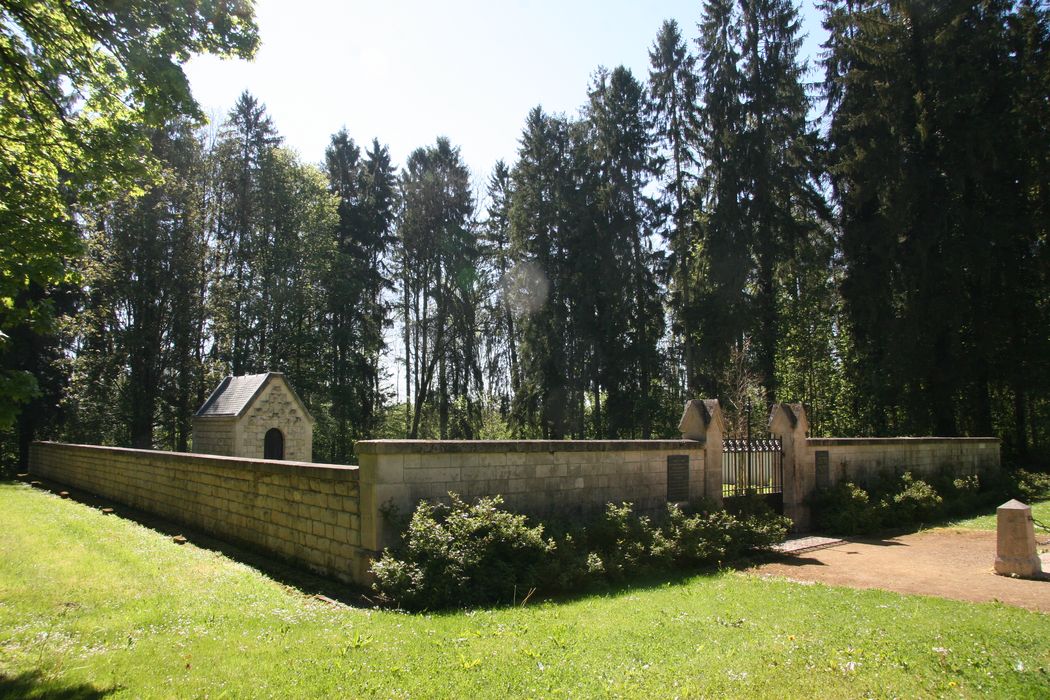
678,478
823,469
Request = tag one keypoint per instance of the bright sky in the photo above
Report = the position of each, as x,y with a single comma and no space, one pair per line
408,71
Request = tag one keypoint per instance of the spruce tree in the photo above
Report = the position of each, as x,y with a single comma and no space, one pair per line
931,145
542,183
721,309
244,163
356,310
501,337
673,111
437,259
628,307
138,330
782,204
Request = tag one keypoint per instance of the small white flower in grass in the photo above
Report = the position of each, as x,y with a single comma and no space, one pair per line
1019,666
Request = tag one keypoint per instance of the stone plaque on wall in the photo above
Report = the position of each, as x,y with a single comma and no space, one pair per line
678,478
823,469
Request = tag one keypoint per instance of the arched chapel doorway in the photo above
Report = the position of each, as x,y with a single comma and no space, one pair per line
273,444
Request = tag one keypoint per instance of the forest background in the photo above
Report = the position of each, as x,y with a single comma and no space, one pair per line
693,232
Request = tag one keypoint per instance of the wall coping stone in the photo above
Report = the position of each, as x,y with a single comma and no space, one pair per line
853,442
264,465
372,447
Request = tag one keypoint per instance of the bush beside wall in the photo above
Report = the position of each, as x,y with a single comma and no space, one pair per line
904,501
458,554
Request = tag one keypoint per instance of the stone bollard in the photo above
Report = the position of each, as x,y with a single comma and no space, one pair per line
1016,554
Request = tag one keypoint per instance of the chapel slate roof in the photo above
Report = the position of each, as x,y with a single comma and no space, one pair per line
233,395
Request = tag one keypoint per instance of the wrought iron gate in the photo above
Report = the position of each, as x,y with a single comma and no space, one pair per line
753,466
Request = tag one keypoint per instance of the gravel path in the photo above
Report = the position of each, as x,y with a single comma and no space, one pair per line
944,562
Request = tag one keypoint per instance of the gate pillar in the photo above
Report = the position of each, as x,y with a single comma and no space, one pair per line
702,421
788,422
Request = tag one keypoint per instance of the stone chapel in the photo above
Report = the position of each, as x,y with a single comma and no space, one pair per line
258,416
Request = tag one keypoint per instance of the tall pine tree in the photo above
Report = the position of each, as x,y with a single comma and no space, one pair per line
673,110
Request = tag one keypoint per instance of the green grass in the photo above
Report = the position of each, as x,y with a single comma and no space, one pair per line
986,521
93,604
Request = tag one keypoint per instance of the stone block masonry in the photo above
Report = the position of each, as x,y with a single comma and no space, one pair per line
304,513
274,407
333,518
537,477
239,414
866,460
815,463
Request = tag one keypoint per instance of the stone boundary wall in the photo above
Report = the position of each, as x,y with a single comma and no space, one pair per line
813,463
865,460
335,519
536,477
302,512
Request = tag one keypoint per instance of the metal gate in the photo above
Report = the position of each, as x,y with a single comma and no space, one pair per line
753,467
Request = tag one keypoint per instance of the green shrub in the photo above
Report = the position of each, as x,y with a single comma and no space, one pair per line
846,509
914,502
569,565
962,495
758,533
623,540
460,554
903,501
1030,486
688,540
630,544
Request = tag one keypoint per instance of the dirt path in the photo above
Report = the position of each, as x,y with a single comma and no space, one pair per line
944,562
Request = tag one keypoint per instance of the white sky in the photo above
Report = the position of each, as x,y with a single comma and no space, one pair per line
408,71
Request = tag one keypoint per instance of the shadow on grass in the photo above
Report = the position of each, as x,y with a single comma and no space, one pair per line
668,578
594,589
295,577
32,684
887,536
291,575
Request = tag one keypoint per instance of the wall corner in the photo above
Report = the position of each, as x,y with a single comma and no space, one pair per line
383,493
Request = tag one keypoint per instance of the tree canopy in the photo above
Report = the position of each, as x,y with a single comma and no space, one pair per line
81,84
704,230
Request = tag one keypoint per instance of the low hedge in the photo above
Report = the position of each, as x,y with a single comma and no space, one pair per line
460,554
905,501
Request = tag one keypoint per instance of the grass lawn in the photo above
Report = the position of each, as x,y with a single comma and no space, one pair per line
1040,512
93,604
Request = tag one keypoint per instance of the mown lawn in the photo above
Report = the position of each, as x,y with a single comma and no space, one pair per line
93,604
1040,512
